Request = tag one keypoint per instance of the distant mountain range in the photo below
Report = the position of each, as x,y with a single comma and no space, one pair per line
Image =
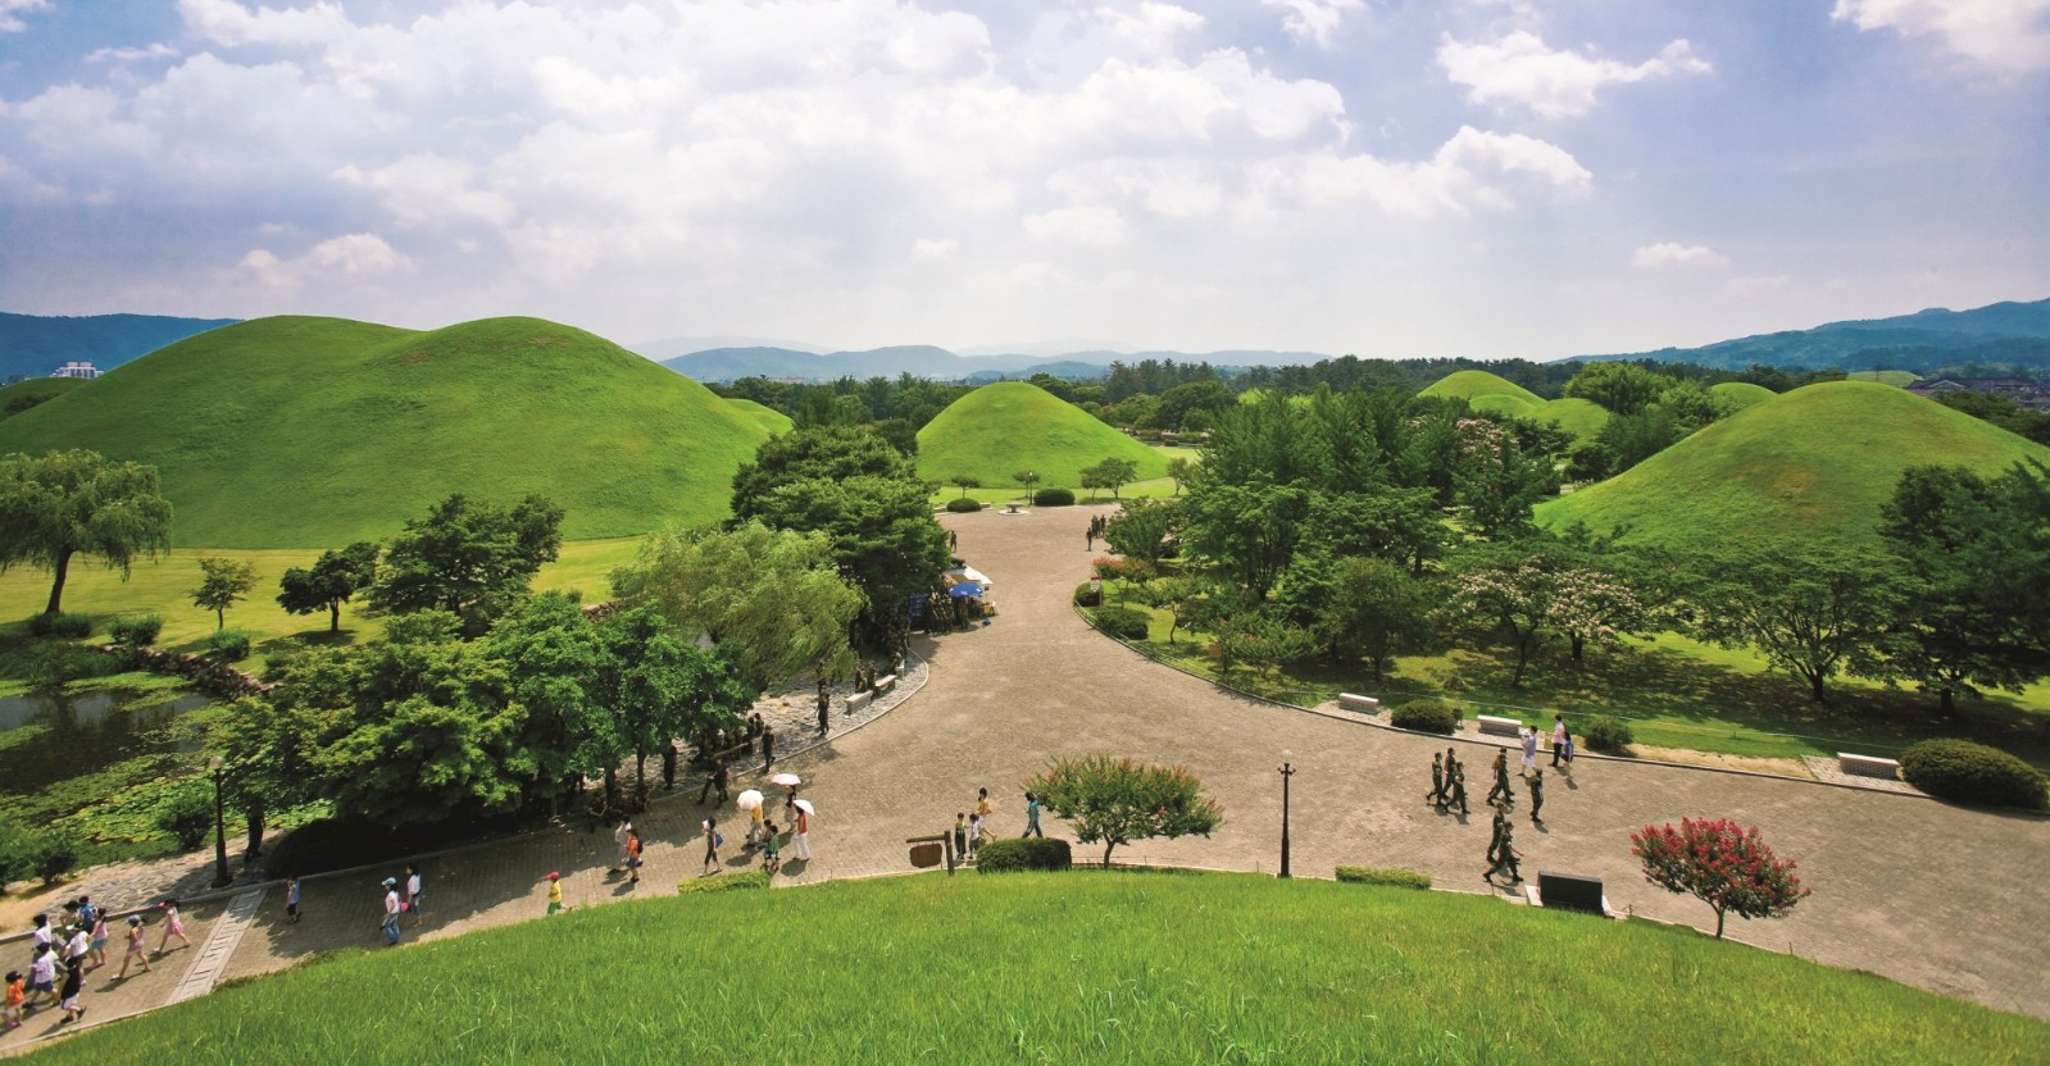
35,345
927,361
2016,334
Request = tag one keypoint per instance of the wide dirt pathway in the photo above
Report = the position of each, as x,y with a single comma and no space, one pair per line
1934,895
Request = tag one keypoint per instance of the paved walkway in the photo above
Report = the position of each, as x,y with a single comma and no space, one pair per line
1938,896
205,969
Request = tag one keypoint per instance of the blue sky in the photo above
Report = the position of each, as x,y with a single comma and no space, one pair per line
1384,177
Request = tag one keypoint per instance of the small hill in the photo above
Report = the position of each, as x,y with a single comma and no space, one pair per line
1010,426
1741,394
1811,467
38,344
1897,378
1473,385
763,415
22,395
1582,418
306,432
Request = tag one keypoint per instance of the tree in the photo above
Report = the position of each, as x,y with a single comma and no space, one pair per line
1503,589
660,688
1178,470
1374,609
1811,612
824,453
554,659
1113,474
1623,388
1721,864
61,504
1499,479
1117,801
964,483
1593,607
1250,532
330,582
473,560
1178,596
1026,479
223,582
1143,529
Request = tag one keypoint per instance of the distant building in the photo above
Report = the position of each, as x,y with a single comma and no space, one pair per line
2025,393
84,371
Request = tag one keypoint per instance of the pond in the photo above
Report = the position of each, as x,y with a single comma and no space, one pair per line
49,736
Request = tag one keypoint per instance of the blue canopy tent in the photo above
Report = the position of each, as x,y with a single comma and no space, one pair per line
965,589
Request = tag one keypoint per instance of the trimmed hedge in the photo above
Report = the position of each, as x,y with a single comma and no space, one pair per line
72,626
1427,716
1023,853
228,645
723,882
138,632
1603,733
1122,622
1089,594
1973,773
964,505
1054,498
1383,875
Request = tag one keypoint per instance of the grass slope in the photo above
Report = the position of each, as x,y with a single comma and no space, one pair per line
1582,418
1898,378
1010,426
22,395
1741,394
1812,466
761,414
1474,384
1074,967
304,432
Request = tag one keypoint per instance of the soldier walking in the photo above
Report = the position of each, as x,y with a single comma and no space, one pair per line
1537,796
825,706
1436,796
1505,857
1495,836
1501,788
1458,779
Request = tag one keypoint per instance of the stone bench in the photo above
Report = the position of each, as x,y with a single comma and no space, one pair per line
885,683
1364,704
1507,727
858,702
1868,765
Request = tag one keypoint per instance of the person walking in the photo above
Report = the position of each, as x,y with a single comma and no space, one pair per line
1451,763
137,951
1501,789
98,945
1537,796
790,804
1529,739
1495,836
756,826
39,936
1436,796
633,857
174,925
1558,738
1032,817
986,811
1457,776
716,781
961,836
1568,768
1505,857
392,909
414,891
800,841
712,842
42,977
768,752
825,707
772,852
555,893
17,995
974,834
78,950
619,833
292,899
74,983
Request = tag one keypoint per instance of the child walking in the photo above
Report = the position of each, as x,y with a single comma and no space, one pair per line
17,994
633,857
174,925
772,851
555,892
292,899
137,950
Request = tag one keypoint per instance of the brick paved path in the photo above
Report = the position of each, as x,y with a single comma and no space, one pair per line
1934,895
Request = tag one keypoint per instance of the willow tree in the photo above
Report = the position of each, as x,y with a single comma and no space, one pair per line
62,504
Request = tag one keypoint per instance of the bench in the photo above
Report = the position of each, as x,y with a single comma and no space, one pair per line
1365,704
1868,765
1508,727
1573,892
858,702
885,683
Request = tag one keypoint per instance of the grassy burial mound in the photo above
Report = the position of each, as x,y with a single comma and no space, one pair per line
761,414
1897,378
1068,967
1741,394
1001,429
1811,467
304,432
23,395
1582,418
1486,392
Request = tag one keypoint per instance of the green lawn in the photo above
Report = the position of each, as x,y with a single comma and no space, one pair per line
1068,968
1156,488
1011,426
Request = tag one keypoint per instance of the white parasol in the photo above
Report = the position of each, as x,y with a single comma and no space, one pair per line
786,779
749,800
805,806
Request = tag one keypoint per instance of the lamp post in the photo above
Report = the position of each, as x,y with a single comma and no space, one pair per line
1287,771
222,878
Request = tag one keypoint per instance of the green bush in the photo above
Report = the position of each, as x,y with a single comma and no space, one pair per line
1973,773
1603,733
188,815
1023,853
138,632
1383,875
228,645
1426,716
1054,498
1089,594
70,626
1122,622
964,505
16,853
53,857
723,882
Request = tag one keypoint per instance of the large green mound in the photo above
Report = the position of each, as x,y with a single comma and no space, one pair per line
1811,467
1073,967
304,432
1582,418
1898,378
22,395
1473,385
761,414
1001,429
1741,394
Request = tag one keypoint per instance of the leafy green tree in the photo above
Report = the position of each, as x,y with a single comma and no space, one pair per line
1249,532
1113,474
1401,525
554,661
1623,388
1178,470
1813,613
964,483
223,582
1114,802
1500,480
1627,440
330,582
660,688
61,504
1143,529
473,560
1180,597
1193,397
1026,478
826,453
1373,610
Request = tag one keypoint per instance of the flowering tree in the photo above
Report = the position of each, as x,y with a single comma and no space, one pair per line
1524,589
1720,863
1116,801
1590,606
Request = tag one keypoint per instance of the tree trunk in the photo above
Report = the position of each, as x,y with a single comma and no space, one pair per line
220,619
1107,849
255,818
611,790
334,616
1815,693
640,778
62,568
1949,697
1522,659
1579,645
1719,923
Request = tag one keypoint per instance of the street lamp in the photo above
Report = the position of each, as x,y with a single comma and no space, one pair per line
222,878
1287,771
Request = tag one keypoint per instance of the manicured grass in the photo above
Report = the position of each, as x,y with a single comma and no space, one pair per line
1741,394
35,391
1897,378
312,432
1010,426
1474,384
1811,467
1153,488
1582,418
762,414
1068,967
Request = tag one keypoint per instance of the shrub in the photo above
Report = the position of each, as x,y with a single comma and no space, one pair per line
1383,875
16,853
228,645
1088,594
723,882
1053,498
138,632
1023,853
188,815
1121,622
1721,864
1426,716
964,505
1603,733
1973,773
53,857
70,626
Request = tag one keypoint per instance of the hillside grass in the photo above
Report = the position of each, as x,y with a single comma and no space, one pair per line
1897,378
1582,418
1810,468
1741,394
22,395
1067,967
1474,384
998,430
297,432
762,414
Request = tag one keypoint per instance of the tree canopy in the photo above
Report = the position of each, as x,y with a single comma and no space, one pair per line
469,558
59,505
1113,801
329,582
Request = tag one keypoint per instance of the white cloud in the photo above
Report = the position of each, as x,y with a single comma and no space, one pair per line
421,190
1314,21
12,10
17,184
229,23
158,50
1462,175
1153,27
2007,35
1521,69
352,256
934,247
1090,225
1666,254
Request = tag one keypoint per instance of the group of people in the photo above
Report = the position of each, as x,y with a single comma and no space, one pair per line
396,906
61,955
1095,533
1448,791
973,829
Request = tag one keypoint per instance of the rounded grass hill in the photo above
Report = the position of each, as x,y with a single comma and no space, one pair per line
23,395
1897,378
761,414
1582,418
1080,966
1810,468
311,432
1478,388
998,430
1740,394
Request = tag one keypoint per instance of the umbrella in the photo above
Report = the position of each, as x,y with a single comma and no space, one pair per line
805,806
786,779
750,800
965,589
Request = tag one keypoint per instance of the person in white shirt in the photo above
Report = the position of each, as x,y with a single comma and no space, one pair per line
1558,739
391,910
413,890
1529,751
